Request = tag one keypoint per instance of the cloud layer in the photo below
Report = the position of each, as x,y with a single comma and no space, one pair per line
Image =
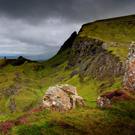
42,26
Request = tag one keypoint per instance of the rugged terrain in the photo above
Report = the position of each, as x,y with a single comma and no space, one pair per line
94,62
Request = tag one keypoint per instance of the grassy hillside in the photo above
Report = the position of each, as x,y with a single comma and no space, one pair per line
23,86
120,30
113,32
83,120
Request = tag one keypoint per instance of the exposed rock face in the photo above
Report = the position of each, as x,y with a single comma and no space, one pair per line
129,78
83,48
62,98
88,54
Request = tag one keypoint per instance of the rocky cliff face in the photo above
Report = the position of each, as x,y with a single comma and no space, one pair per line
129,78
89,58
68,43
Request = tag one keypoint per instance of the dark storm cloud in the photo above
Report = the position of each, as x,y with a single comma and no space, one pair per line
40,26
75,10
32,10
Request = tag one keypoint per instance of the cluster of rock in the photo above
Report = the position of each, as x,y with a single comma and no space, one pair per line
62,97
129,77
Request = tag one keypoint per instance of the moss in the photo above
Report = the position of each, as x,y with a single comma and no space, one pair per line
120,52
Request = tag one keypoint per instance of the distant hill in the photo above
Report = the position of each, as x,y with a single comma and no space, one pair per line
36,57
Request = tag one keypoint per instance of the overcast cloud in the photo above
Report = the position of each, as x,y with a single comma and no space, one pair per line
42,26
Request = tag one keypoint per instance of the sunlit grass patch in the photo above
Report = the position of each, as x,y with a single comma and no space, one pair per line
116,30
120,52
25,99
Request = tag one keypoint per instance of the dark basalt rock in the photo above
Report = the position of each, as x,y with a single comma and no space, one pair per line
93,59
82,49
19,61
68,43
20,57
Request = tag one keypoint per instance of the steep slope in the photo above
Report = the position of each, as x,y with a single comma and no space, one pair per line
89,58
63,53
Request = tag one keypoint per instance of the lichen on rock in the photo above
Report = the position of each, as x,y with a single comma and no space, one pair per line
62,97
129,77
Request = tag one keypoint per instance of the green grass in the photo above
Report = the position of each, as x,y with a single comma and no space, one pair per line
89,89
2,61
116,119
24,99
116,30
120,52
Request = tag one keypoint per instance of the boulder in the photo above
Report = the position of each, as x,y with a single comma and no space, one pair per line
111,97
62,97
129,77
103,101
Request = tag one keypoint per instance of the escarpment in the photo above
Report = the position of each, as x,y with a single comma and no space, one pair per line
89,58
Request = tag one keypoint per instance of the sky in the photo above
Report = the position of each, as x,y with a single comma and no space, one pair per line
33,27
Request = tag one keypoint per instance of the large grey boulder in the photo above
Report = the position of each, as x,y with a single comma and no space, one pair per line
62,97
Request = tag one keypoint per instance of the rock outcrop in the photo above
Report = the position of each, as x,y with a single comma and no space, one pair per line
103,101
21,60
62,97
68,43
129,77
111,97
93,60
